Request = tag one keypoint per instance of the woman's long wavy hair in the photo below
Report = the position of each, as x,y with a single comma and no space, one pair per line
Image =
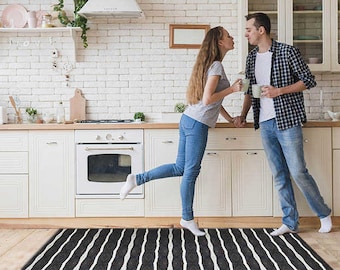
208,53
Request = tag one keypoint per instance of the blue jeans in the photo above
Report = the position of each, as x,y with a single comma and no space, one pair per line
284,150
193,137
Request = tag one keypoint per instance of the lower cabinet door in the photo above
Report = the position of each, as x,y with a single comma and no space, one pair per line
251,184
213,186
162,196
14,196
52,174
318,157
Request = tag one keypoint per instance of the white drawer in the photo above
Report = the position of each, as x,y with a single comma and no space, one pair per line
13,162
234,138
13,141
336,137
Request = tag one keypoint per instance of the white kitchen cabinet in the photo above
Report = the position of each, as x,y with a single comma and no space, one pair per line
244,184
225,187
52,174
312,26
162,196
318,156
336,170
13,174
213,186
252,184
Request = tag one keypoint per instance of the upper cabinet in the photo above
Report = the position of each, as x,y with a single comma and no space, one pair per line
310,25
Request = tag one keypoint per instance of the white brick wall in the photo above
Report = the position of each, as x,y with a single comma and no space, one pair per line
128,65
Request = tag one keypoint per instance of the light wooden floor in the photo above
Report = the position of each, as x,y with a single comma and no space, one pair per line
20,239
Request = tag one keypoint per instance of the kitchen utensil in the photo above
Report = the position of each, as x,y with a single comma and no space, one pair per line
17,112
14,16
77,106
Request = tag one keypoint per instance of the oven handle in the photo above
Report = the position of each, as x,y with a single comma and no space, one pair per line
99,148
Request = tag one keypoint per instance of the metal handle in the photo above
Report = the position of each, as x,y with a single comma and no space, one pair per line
49,143
100,148
168,141
251,153
212,154
231,139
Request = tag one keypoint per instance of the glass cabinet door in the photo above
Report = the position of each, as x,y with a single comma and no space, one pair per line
271,9
309,31
276,11
310,25
335,34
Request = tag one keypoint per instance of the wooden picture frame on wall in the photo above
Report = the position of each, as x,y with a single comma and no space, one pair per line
187,36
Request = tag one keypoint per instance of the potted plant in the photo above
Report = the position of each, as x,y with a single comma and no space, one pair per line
139,117
78,21
175,116
32,115
180,107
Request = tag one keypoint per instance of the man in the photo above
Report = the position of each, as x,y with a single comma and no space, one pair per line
279,114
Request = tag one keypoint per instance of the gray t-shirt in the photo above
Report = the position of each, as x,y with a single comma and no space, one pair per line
208,114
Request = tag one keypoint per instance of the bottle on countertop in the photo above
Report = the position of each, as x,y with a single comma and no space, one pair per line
60,113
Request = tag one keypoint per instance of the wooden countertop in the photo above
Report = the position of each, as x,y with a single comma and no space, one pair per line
155,125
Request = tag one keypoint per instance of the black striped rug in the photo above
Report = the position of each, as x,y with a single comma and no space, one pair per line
174,249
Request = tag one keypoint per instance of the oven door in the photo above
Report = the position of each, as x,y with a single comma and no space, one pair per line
102,168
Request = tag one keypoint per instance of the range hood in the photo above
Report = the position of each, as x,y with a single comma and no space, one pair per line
111,8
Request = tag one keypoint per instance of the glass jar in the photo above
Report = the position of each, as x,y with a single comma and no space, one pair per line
46,21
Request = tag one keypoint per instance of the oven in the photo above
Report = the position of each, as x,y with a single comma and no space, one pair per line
104,158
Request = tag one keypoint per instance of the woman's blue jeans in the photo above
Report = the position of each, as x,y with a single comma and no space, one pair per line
193,137
284,150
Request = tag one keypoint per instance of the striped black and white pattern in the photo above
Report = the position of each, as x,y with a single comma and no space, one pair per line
176,249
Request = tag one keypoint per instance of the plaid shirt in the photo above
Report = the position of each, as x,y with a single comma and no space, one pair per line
287,68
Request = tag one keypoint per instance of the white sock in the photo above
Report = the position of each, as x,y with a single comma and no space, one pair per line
129,185
326,224
191,226
282,230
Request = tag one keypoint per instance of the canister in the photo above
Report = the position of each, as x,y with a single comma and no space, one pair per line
3,115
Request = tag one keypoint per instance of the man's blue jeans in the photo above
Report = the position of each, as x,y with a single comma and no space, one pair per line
193,137
284,150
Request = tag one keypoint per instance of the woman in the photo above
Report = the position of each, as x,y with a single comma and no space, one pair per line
208,86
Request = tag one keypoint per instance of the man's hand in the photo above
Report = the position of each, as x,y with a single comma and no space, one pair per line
270,91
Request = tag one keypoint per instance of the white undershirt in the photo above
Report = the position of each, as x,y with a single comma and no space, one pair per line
263,66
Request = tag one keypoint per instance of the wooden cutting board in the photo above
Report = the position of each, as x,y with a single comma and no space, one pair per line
77,106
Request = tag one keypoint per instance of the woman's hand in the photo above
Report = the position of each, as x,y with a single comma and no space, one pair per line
236,86
239,121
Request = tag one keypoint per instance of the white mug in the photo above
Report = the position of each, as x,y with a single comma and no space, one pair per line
245,85
257,90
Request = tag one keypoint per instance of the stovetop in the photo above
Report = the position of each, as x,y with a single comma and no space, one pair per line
106,121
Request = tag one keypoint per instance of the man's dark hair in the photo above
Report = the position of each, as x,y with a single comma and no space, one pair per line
261,19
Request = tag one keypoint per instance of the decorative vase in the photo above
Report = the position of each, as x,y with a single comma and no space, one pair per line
32,119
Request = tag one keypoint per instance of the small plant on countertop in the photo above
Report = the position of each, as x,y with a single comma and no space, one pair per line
78,21
180,107
139,115
31,111
32,114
